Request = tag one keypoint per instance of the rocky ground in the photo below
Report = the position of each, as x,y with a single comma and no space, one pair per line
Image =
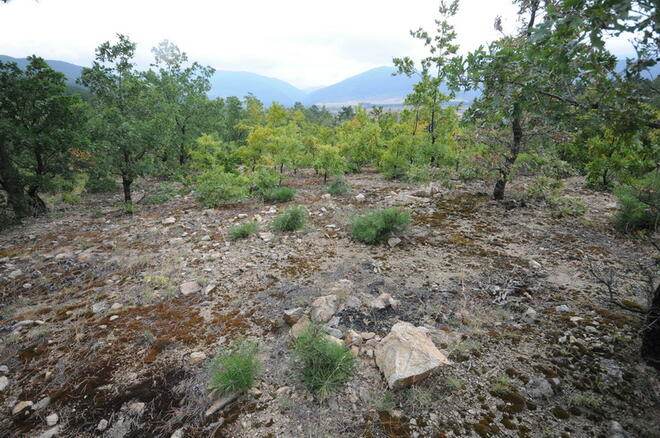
109,321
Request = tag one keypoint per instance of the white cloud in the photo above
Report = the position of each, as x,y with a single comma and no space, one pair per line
306,43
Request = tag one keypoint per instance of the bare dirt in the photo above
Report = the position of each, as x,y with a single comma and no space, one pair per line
468,269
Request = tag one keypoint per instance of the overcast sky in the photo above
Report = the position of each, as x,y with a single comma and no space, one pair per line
304,42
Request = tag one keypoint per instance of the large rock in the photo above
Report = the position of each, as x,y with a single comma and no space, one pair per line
300,326
292,316
323,308
190,287
407,355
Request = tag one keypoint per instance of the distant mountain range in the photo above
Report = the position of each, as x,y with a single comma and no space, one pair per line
377,86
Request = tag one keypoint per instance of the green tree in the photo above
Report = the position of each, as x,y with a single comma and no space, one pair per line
40,129
128,123
183,89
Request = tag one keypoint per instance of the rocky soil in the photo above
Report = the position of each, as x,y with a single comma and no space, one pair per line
109,321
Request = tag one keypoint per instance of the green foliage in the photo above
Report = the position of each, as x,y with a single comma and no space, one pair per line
293,218
243,231
215,187
211,153
380,225
70,198
129,208
100,184
264,179
324,366
278,194
564,207
235,369
544,188
419,174
338,186
639,204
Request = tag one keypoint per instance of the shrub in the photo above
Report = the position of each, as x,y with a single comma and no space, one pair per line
562,207
338,186
129,208
380,225
639,205
97,184
278,194
243,230
293,218
164,192
323,365
544,189
419,174
264,179
215,187
235,369
70,198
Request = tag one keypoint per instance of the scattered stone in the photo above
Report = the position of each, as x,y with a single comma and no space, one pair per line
360,197
535,265
352,338
52,419
221,403
407,355
323,308
210,288
326,196
14,274
41,403
99,307
612,369
616,430
177,433
335,340
116,306
50,433
334,332
575,319
266,237
136,408
4,383
368,335
393,241
4,369
197,356
242,216
103,425
562,308
292,316
539,388
169,221
342,288
64,255
284,390
20,406
530,314
113,317
189,287
383,301
300,326
27,285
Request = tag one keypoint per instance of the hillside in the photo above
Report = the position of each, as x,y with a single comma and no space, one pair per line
71,71
239,83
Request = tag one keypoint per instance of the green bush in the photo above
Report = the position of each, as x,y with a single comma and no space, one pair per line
235,369
158,198
263,180
293,218
419,174
101,184
278,194
215,187
338,186
544,189
243,230
380,225
70,198
639,205
323,365
563,207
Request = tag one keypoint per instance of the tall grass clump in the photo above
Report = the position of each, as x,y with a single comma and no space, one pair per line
380,225
235,369
324,366
278,194
639,205
243,230
293,218
338,186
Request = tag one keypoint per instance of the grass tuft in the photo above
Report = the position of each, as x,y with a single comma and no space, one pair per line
278,194
293,218
338,186
380,225
324,366
235,369
243,230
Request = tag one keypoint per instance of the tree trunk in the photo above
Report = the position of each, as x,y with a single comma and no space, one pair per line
325,177
651,332
12,184
516,129
126,183
38,205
